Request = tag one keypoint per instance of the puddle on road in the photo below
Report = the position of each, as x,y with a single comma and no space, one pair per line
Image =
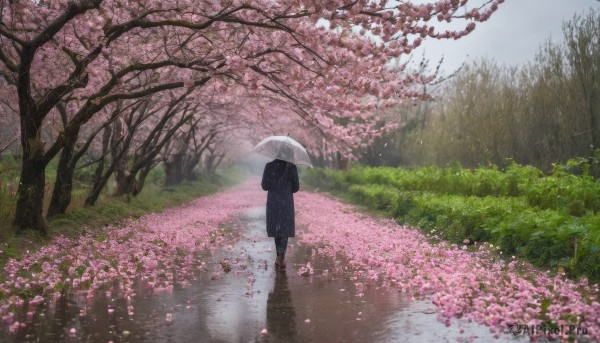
238,306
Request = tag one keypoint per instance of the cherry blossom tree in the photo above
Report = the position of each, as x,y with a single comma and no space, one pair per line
72,153
116,139
327,58
135,139
220,122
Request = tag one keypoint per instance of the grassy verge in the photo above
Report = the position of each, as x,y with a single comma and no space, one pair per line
489,206
110,211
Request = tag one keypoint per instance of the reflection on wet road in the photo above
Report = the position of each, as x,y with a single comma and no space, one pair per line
242,298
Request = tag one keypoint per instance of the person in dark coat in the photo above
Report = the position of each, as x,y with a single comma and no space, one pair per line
280,179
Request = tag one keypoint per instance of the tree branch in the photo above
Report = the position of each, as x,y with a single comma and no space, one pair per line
10,36
54,95
8,62
92,106
2,149
73,9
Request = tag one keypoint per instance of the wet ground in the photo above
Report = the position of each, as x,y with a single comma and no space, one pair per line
241,297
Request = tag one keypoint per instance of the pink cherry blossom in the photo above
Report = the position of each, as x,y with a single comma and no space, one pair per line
474,285
306,270
143,248
94,56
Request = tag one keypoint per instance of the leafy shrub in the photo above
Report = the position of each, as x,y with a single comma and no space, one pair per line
574,195
403,204
549,220
377,197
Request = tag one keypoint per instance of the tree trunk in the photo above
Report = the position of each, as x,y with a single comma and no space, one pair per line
216,163
174,170
30,202
100,178
120,165
63,186
97,186
188,172
125,183
138,185
99,183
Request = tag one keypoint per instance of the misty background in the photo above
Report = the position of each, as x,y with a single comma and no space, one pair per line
511,36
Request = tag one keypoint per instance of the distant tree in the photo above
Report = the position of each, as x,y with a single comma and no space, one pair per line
539,113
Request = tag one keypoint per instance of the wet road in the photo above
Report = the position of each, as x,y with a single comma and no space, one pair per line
241,297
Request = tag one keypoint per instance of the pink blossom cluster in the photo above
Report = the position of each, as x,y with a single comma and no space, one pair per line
274,50
306,270
471,283
160,249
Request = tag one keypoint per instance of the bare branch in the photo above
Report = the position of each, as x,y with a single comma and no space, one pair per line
2,149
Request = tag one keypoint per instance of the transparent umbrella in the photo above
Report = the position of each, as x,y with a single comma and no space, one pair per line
283,148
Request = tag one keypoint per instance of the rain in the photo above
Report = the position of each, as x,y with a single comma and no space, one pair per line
299,171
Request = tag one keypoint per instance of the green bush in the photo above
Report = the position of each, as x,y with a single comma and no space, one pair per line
549,220
377,197
574,195
403,204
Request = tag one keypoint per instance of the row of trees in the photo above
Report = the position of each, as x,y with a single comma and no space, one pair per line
145,72
545,111
142,133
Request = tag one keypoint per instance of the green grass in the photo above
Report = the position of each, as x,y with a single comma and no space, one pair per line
111,211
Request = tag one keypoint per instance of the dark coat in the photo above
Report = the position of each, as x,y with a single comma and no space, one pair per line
280,178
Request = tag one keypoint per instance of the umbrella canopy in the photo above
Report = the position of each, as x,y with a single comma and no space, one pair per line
283,148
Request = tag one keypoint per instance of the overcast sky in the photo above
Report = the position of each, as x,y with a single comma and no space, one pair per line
512,35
